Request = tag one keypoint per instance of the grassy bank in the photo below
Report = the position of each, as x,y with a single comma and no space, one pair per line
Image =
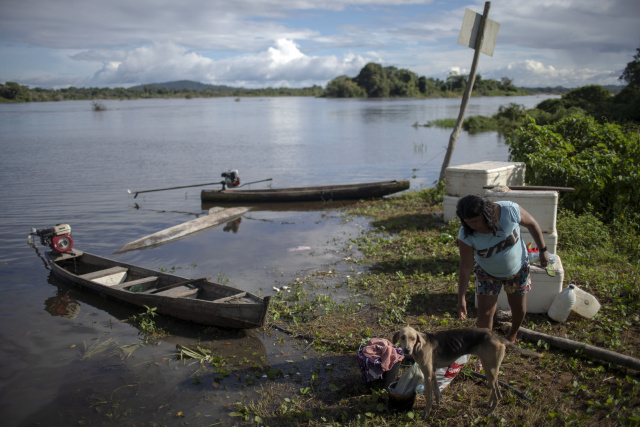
403,270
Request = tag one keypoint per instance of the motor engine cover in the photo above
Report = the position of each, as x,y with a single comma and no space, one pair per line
63,243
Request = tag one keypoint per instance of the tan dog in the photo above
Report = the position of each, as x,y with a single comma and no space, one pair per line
440,349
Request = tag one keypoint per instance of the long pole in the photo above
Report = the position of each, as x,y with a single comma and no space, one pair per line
467,92
172,188
187,186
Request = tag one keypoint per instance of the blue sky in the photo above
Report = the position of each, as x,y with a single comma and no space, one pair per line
298,43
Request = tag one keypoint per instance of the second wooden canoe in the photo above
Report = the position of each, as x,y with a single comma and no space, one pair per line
324,193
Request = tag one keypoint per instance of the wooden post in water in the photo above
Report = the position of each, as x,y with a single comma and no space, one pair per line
467,91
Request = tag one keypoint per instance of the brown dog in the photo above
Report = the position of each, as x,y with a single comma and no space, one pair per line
440,349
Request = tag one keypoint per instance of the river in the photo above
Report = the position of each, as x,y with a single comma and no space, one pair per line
63,162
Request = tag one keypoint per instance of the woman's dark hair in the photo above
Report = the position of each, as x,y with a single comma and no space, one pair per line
471,206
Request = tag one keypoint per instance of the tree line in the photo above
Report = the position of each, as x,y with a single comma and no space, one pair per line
373,81
13,92
376,81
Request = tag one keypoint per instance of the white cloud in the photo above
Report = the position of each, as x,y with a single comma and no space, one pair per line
531,73
280,65
300,42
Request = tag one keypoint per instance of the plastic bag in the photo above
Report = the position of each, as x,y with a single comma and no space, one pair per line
444,376
409,380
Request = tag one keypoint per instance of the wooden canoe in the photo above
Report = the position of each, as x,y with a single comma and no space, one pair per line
196,300
215,217
307,194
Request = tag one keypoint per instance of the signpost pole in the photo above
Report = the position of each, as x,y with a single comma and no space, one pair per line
467,92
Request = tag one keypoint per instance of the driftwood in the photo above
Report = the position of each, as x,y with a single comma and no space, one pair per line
589,350
215,217
505,385
532,188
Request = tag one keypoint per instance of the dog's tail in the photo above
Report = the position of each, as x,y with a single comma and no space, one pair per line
517,348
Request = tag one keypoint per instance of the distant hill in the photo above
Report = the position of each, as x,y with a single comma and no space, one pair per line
186,84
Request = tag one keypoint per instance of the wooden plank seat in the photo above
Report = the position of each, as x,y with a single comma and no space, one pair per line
183,285
142,281
232,297
178,292
102,273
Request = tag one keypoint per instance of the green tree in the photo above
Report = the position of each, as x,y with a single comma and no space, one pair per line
631,73
599,160
13,91
344,87
402,82
373,80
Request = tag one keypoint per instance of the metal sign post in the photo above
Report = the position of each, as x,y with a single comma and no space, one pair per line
479,33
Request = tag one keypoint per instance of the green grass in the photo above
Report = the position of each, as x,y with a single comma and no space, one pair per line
404,271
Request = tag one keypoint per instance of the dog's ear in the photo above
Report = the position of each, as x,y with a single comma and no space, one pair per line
419,342
396,337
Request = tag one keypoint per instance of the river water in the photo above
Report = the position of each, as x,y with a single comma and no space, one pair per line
63,162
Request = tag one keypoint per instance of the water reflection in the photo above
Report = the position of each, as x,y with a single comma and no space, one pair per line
232,225
242,347
62,305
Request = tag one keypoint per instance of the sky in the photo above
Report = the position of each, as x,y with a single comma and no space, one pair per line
300,43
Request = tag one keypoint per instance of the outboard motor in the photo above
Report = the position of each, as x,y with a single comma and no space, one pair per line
231,178
57,238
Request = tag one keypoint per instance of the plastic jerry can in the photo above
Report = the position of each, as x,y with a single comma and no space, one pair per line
562,304
586,304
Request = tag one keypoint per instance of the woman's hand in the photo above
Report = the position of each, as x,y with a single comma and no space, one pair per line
466,265
462,309
544,259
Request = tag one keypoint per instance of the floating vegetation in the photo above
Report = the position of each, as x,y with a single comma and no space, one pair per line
98,106
95,349
148,328
202,354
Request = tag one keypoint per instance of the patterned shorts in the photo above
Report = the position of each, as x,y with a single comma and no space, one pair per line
518,284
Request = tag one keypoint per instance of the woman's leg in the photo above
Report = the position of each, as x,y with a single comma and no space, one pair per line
518,304
486,309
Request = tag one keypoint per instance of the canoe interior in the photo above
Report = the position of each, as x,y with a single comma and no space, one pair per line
85,264
195,300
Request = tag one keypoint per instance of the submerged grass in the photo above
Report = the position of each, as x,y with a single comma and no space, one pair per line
403,270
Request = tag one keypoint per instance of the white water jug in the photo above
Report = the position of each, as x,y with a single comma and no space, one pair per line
562,304
586,304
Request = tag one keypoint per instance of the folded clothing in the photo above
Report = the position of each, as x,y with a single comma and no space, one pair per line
376,357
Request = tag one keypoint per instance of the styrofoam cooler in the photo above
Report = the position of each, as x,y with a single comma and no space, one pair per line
471,178
544,288
542,205
449,207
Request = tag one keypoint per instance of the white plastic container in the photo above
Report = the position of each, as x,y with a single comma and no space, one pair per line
562,304
586,304
544,288
542,205
470,178
449,205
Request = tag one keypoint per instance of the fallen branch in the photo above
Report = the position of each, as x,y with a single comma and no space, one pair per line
505,385
304,336
589,350
532,188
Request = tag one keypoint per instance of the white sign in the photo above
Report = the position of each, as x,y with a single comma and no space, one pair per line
470,29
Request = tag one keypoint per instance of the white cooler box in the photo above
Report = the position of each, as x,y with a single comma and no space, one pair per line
449,207
544,288
542,205
471,178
